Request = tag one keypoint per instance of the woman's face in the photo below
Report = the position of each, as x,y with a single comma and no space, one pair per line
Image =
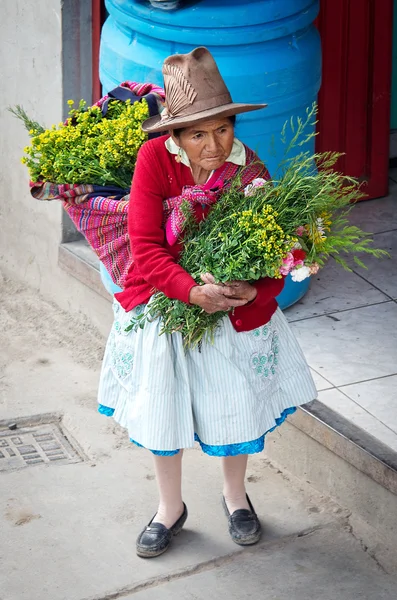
207,144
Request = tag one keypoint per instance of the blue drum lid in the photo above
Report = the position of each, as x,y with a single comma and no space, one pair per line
275,19
165,4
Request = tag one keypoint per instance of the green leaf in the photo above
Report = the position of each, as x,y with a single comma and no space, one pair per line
360,262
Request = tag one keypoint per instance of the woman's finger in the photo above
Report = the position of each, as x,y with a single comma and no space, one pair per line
208,278
231,292
215,290
234,302
234,283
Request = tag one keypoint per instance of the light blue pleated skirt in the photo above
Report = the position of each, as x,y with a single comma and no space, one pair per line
227,395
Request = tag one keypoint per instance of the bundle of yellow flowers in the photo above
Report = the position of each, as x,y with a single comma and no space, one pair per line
88,147
87,163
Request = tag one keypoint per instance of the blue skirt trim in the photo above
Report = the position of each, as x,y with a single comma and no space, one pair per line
228,450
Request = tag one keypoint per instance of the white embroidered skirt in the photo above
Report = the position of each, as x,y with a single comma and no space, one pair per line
231,392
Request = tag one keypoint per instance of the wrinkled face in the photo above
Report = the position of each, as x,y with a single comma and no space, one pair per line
207,144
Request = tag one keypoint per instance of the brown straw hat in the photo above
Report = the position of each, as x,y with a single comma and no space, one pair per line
194,92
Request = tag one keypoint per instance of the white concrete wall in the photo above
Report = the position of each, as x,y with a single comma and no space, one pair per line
44,60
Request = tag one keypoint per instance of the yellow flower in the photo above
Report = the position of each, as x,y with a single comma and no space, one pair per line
91,143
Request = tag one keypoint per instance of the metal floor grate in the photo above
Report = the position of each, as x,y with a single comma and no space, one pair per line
35,445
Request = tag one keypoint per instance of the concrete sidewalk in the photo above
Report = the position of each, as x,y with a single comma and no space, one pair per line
68,523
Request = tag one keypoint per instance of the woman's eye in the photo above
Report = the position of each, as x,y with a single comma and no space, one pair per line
198,136
223,130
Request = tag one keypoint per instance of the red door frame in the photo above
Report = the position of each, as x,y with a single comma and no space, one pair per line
354,100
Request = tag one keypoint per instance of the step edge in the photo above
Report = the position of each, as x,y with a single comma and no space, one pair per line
348,441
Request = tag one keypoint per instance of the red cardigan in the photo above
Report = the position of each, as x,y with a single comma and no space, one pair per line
158,176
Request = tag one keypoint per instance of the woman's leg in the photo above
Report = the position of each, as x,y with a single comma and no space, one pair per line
244,525
234,468
168,471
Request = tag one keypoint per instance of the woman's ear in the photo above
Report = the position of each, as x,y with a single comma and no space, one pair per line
175,138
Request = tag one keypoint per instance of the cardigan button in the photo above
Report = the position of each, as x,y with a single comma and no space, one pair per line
239,322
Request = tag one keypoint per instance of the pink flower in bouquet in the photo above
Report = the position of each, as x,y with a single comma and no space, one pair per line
255,183
288,264
298,263
294,259
300,230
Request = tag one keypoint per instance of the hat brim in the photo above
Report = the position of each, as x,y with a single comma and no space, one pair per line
157,124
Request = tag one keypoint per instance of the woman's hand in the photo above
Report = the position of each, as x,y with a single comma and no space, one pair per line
213,298
234,289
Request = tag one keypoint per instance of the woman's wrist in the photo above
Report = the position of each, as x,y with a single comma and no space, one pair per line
194,294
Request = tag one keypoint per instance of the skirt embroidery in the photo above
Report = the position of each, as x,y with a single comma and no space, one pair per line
262,333
122,362
265,363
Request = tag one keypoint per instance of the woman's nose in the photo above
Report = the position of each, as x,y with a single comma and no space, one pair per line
212,143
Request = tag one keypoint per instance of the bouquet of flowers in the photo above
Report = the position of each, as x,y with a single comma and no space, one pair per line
87,163
89,147
289,224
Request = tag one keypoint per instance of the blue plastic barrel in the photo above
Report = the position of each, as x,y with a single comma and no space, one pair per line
267,51
107,281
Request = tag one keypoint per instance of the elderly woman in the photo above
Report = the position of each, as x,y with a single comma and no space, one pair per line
168,397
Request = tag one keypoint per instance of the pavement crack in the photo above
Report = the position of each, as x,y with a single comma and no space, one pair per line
387,300
350,529
213,563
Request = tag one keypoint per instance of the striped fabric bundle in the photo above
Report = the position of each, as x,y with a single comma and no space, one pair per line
149,91
98,212
101,215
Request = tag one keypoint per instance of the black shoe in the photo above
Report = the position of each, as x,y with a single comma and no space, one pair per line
244,526
156,538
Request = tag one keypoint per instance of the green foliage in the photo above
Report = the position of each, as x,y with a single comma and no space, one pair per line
87,148
33,127
308,202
